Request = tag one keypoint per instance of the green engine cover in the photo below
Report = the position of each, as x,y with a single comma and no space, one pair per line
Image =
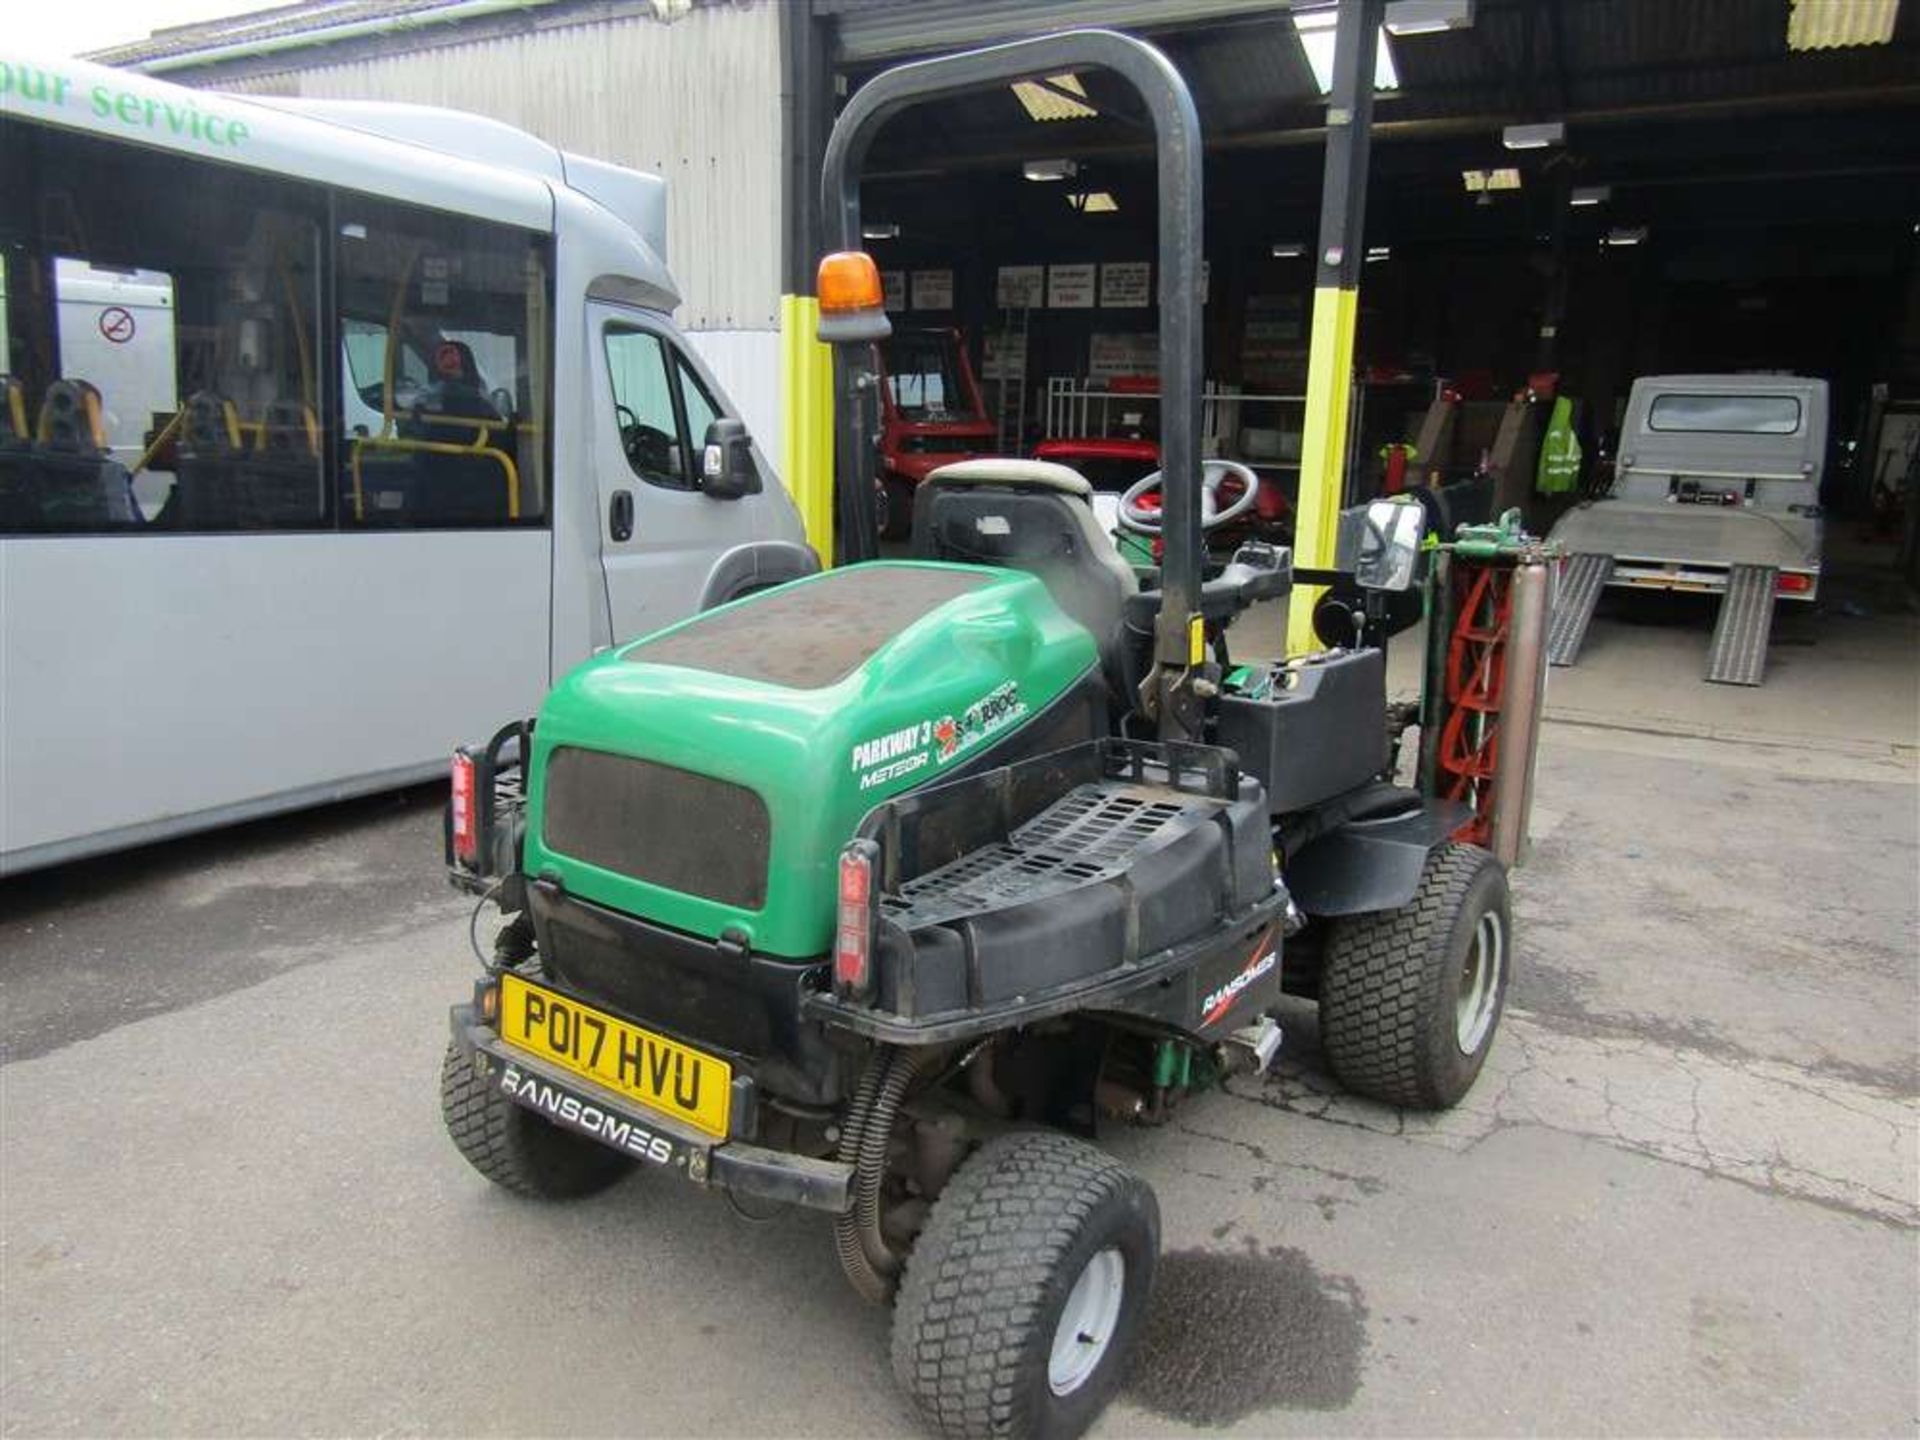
821,698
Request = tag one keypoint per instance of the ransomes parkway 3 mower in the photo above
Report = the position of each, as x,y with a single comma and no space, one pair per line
880,891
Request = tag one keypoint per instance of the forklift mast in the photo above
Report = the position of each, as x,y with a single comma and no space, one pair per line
1178,648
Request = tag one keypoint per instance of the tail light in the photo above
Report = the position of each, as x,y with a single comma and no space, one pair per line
1791,584
466,820
853,934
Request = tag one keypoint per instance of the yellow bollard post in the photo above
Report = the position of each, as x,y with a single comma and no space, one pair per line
806,410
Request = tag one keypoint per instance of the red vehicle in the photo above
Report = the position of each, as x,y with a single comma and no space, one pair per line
1115,463
1108,464
931,415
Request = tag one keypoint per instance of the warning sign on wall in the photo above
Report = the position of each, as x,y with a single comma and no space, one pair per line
1070,287
1003,356
1020,287
1124,285
933,289
1133,353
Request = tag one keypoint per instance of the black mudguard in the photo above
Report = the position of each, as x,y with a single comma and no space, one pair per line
1365,865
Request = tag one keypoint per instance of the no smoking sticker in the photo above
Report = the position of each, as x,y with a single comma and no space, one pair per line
116,323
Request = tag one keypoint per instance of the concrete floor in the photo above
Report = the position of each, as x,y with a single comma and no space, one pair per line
1684,1197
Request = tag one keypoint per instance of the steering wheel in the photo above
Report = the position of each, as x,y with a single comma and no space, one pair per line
1142,516
647,449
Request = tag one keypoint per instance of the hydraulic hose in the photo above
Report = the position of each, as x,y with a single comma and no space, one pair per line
870,1263
871,1284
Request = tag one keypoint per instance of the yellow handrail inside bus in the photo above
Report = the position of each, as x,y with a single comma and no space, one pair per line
432,447
17,408
299,333
166,430
393,341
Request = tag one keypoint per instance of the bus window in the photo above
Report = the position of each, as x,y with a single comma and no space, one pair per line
116,331
442,324
162,331
363,353
643,408
701,412
6,343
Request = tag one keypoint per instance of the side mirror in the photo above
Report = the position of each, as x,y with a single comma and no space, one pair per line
726,465
1386,543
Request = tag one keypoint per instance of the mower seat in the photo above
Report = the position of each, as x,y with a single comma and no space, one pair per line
1035,516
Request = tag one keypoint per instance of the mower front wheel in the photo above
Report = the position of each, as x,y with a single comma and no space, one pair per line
1410,998
1025,1292
514,1148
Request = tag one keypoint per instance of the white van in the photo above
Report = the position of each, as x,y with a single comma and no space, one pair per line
329,434
1713,471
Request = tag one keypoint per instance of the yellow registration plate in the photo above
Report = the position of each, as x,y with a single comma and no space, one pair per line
661,1074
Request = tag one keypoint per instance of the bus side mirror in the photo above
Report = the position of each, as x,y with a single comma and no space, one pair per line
1386,537
726,464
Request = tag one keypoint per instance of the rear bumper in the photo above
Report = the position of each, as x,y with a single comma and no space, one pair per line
1700,578
1693,548
1648,534
654,1139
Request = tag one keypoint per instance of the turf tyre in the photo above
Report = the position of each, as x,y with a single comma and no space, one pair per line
514,1148
992,1272
1392,984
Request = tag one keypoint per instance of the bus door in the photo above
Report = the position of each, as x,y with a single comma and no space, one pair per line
659,534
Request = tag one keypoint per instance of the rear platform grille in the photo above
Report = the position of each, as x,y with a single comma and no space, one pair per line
1089,833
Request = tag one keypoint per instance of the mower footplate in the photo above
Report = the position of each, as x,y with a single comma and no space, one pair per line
572,1103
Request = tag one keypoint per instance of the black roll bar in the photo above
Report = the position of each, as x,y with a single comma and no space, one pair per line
1176,129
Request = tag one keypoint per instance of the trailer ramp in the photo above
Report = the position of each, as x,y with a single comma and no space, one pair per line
1581,582
1738,655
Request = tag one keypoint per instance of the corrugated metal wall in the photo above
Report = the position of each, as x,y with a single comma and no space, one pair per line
696,101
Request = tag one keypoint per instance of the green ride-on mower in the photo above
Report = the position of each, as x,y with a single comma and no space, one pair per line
879,892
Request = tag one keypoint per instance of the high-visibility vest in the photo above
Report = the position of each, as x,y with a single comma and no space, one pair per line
1559,469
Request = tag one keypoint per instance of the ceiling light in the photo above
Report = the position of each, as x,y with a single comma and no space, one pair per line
1504,178
1832,24
1050,169
1533,137
1626,235
1094,202
1428,17
1590,195
880,230
1289,250
1315,29
1045,102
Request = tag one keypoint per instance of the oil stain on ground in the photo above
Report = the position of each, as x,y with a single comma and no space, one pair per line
1234,1333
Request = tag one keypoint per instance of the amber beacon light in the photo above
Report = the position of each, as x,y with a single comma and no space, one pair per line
852,301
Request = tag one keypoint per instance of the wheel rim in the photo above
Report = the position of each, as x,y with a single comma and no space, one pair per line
1087,1322
1479,995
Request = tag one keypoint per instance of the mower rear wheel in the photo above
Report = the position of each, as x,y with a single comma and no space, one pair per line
1410,998
514,1148
1025,1292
